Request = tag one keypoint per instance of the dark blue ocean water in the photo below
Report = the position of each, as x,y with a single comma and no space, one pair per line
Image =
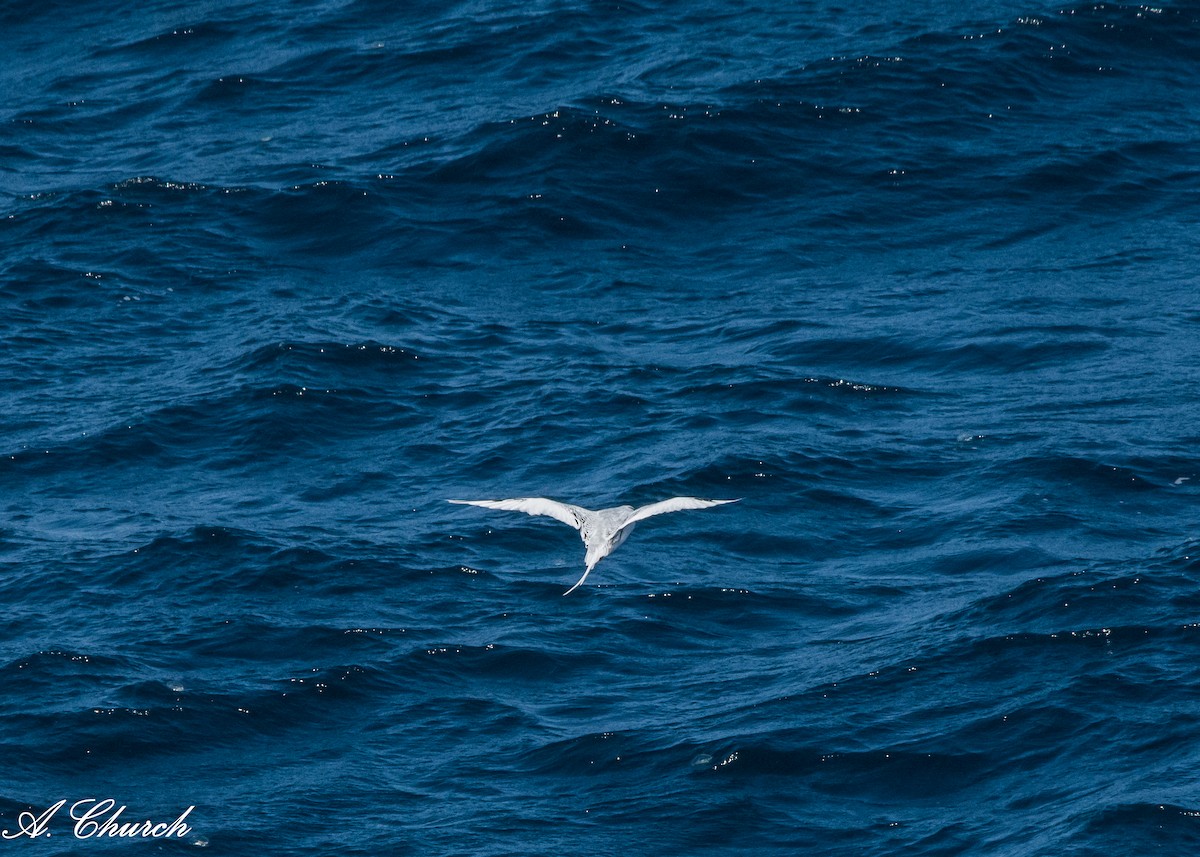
916,281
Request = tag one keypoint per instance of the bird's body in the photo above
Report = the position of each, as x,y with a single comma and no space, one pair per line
602,531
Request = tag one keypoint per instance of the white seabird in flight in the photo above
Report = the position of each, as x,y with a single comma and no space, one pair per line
603,531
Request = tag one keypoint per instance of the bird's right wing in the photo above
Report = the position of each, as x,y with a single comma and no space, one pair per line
675,504
568,514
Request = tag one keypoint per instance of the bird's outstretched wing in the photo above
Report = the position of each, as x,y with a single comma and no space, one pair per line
675,504
568,514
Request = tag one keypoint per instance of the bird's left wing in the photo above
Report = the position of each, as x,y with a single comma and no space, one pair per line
675,504
565,512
